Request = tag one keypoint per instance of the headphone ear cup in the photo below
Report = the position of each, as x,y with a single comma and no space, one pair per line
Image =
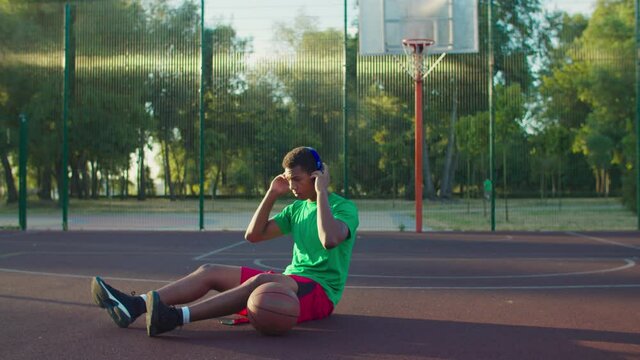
316,156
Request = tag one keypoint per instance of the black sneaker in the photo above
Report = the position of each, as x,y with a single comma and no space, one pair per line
160,317
120,306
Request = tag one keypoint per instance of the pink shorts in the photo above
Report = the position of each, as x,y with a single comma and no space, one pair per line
314,303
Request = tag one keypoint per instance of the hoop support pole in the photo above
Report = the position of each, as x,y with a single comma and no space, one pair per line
418,152
413,49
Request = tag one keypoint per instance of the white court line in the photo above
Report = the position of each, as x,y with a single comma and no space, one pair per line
558,287
218,250
603,240
19,234
75,276
629,264
8,255
543,287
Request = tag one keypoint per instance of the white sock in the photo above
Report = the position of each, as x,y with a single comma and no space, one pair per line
186,315
144,297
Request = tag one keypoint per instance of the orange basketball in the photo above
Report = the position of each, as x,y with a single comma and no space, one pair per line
273,309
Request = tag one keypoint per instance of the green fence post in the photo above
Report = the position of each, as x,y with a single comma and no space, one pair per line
202,81
64,188
491,118
23,172
345,105
637,165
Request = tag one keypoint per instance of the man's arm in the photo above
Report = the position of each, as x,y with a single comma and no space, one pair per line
331,231
261,228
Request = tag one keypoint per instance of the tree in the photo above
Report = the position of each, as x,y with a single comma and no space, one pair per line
509,114
598,148
600,66
472,132
171,96
448,172
389,123
227,125
516,36
12,192
24,27
308,75
562,111
586,90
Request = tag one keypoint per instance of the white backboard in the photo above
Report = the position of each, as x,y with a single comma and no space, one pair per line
452,24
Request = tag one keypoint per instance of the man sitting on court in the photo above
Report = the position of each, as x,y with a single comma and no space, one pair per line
323,227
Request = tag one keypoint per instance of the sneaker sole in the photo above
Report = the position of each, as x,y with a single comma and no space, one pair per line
104,299
152,316
97,292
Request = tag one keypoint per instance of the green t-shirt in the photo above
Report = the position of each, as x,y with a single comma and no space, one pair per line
329,268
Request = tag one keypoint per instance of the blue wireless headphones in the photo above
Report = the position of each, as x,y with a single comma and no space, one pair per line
316,157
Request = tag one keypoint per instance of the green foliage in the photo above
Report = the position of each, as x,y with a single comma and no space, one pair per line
390,126
563,109
586,90
515,35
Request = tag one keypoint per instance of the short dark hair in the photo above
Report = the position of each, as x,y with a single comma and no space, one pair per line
300,156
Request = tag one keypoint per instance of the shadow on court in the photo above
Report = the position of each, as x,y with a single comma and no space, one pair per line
409,296
354,336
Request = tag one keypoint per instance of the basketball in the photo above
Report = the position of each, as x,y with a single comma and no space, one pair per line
273,309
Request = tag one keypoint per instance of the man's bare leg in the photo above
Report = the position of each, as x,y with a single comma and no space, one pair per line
124,309
197,284
162,318
233,300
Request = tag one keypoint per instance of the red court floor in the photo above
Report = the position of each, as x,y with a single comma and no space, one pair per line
409,296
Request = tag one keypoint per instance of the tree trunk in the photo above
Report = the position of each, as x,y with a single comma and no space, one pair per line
185,172
107,185
94,180
58,175
429,189
75,182
167,170
484,172
12,191
86,181
560,184
504,183
184,180
468,187
541,182
554,187
124,184
596,172
446,191
45,183
395,183
214,186
141,177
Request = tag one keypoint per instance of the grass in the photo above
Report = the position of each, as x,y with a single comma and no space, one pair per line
581,214
533,215
151,205
578,214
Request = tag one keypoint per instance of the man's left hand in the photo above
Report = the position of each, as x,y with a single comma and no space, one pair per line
322,178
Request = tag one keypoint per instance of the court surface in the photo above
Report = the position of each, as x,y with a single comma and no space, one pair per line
409,296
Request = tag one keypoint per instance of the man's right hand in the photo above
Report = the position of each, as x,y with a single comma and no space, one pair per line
279,185
261,228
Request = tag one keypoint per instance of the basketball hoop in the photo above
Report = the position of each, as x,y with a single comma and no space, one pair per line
416,51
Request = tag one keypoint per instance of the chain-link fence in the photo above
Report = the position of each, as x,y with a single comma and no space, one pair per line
160,118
